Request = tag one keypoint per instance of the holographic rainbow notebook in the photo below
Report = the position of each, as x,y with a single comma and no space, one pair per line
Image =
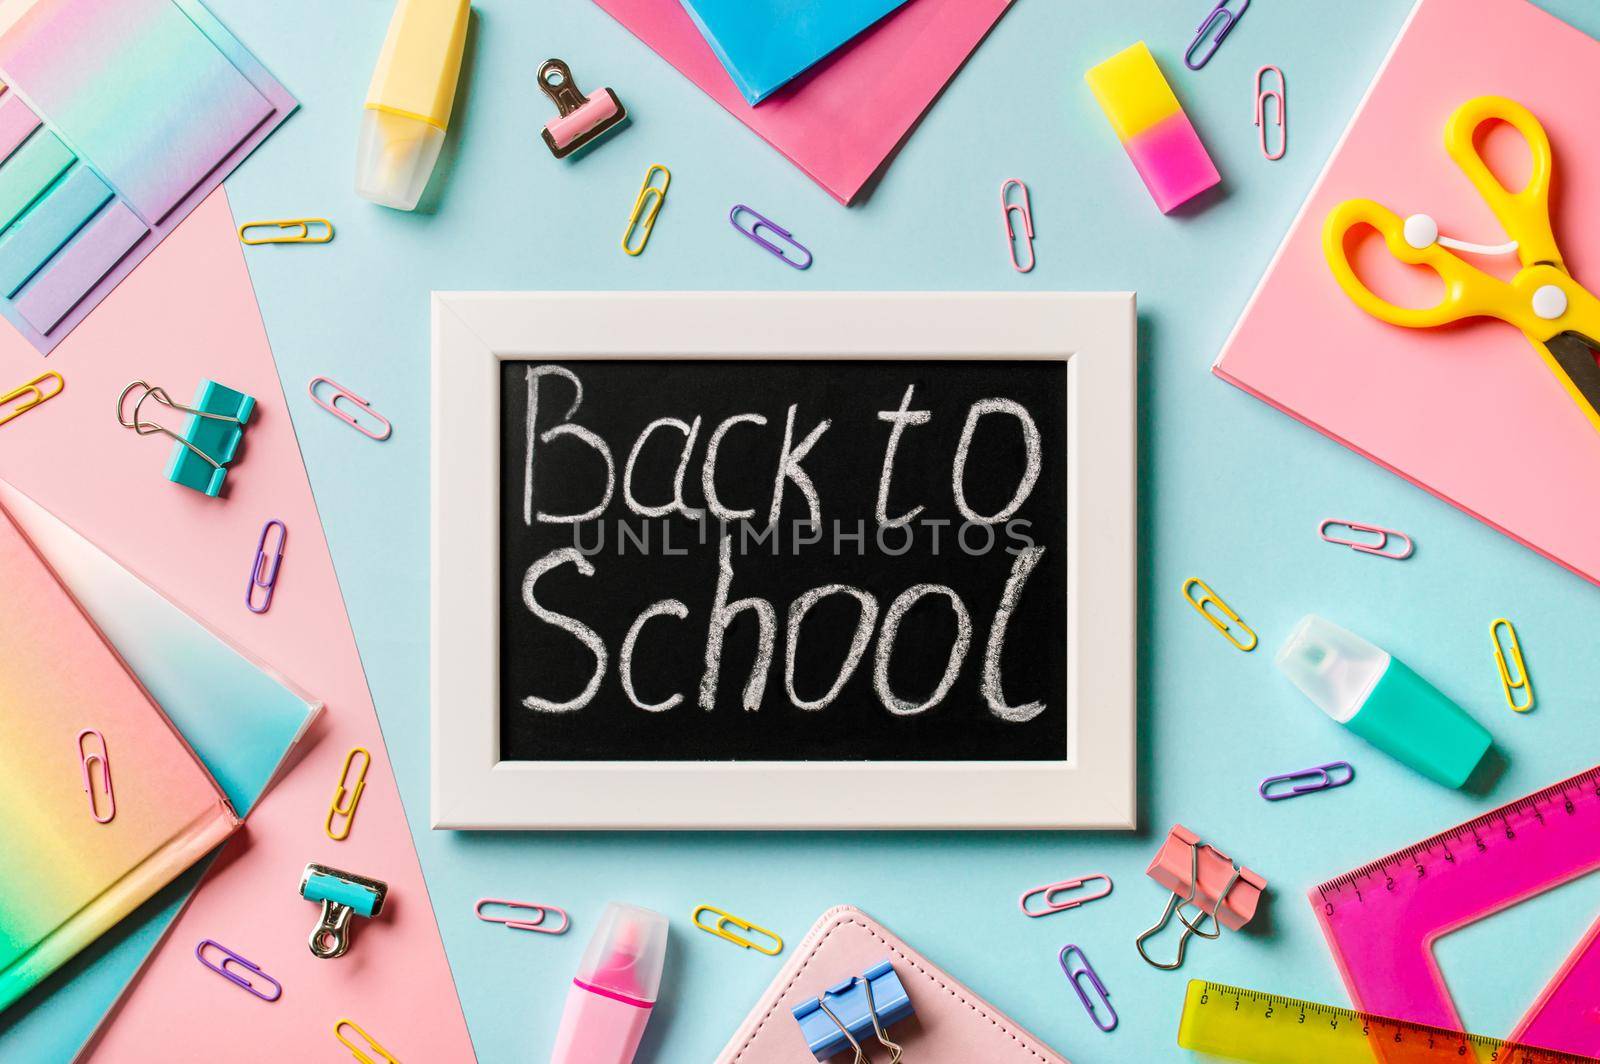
117,117
79,855
238,716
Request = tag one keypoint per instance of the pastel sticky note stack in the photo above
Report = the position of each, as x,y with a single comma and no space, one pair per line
765,44
116,76
1152,126
117,118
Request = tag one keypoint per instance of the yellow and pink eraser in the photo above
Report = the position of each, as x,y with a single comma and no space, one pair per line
1154,131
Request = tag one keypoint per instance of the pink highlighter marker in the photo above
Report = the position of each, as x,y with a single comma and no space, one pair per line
615,989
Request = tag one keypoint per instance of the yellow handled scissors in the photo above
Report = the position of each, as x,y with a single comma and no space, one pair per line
1559,316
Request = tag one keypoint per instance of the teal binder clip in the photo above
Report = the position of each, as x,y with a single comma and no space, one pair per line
210,438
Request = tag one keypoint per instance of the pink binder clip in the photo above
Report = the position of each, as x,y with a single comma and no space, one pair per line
1402,549
535,924
1201,875
583,119
1051,905
88,758
331,405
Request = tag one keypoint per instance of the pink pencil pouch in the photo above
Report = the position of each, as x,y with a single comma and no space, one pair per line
951,1025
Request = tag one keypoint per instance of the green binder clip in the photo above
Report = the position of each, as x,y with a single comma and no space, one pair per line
210,439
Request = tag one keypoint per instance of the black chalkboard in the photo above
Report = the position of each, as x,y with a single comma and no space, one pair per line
556,621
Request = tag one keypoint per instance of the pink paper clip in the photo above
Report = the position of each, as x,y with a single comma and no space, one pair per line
1379,548
88,758
1307,781
1201,875
234,977
264,570
536,924
331,405
1280,94
1024,207
1051,905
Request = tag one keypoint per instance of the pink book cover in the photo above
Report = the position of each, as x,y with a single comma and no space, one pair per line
66,876
1469,412
951,1024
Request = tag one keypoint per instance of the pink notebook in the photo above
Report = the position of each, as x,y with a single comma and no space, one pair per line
952,1025
1469,413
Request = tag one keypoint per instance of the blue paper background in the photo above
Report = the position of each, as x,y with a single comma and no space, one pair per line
1231,491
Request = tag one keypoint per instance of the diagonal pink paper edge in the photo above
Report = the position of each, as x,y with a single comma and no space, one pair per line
71,456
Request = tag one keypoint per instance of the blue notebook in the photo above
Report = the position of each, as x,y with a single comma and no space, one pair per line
240,719
764,44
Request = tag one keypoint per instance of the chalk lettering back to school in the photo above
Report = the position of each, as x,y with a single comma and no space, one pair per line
783,560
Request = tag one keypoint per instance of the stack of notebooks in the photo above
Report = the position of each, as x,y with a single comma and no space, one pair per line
132,742
835,85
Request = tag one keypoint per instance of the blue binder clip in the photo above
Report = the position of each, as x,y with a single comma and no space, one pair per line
860,1007
210,439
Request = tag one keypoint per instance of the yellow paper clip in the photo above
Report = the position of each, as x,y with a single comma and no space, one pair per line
340,807
356,1051
1511,685
1228,623
725,921
31,393
649,212
288,231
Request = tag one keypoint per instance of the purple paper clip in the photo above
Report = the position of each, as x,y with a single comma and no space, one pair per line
1378,548
264,571
1077,984
1223,18
1321,777
234,977
1051,905
763,222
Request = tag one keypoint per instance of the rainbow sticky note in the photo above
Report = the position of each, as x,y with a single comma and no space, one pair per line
153,100
1154,131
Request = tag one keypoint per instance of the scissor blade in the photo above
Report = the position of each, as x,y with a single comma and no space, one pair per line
1579,359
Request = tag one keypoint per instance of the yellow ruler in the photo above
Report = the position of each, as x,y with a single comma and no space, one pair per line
1251,1025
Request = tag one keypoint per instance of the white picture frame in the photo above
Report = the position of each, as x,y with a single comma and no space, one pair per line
1094,787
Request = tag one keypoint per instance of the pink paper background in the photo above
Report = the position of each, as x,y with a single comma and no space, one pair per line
190,312
1470,412
842,119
